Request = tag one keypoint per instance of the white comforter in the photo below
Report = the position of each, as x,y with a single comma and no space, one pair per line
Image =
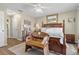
54,32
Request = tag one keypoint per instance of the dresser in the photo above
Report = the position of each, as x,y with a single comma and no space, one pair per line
70,38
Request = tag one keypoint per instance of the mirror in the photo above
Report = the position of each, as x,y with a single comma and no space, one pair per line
52,18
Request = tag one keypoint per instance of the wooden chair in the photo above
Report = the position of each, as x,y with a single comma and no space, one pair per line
30,41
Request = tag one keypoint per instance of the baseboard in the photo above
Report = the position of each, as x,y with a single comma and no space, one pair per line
15,38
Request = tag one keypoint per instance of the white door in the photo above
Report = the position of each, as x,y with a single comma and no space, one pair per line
2,34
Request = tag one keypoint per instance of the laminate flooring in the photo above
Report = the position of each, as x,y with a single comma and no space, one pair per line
10,42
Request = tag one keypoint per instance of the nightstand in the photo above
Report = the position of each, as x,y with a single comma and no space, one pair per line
70,38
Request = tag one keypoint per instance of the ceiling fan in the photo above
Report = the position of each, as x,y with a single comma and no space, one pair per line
38,7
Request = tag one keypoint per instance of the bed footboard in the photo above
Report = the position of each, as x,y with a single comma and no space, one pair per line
55,45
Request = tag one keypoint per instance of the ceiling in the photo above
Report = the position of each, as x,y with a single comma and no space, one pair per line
47,8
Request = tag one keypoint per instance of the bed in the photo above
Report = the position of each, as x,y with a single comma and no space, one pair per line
56,41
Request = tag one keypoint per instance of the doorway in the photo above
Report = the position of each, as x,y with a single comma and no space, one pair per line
9,27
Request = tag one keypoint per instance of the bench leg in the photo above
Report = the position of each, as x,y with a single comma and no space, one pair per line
27,47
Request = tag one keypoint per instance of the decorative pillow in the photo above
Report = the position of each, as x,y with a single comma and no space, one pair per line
43,29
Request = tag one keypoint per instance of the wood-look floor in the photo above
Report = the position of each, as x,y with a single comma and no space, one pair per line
11,42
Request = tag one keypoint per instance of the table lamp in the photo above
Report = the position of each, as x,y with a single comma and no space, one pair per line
38,27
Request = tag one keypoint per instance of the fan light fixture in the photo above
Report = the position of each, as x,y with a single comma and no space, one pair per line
39,10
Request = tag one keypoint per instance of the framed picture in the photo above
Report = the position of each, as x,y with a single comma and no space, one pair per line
52,18
27,22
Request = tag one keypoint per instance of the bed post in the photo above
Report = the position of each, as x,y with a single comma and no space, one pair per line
64,31
64,46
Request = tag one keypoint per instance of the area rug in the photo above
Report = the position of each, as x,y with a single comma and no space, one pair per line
71,49
20,50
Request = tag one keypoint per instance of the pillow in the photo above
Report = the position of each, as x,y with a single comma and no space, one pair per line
55,32
43,29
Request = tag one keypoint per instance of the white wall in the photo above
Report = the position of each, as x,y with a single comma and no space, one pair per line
77,25
69,27
15,26
78,22
41,20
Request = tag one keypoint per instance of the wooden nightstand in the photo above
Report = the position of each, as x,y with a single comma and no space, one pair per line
70,38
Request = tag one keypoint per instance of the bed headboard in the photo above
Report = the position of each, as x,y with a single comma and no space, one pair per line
53,25
56,25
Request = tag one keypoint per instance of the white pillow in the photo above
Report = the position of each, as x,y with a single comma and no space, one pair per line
43,29
55,32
